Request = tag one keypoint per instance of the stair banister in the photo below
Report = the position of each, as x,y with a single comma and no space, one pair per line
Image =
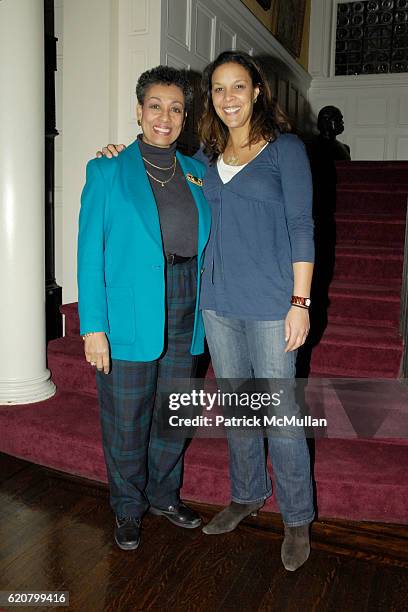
404,304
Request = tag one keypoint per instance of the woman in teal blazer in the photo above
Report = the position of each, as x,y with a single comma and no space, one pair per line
121,261
143,227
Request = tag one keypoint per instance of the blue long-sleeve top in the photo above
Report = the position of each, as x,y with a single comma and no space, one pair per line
261,225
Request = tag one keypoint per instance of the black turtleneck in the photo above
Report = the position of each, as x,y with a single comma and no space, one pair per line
175,203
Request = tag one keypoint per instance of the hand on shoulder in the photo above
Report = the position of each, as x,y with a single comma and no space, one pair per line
111,150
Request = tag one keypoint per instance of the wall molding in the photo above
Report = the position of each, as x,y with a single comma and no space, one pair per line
255,29
361,80
165,8
204,10
138,9
224,28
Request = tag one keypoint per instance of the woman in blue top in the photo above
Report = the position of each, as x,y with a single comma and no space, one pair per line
256,281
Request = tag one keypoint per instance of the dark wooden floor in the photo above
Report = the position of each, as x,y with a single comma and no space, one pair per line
56,534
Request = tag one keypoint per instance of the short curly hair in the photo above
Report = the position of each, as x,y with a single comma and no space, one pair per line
164,75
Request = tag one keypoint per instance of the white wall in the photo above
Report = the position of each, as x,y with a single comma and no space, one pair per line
83,116
139,43
103,47
375,107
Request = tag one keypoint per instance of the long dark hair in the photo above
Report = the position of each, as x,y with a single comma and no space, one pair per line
267,117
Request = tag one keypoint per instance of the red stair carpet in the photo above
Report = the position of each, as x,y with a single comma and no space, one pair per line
357,479
362,336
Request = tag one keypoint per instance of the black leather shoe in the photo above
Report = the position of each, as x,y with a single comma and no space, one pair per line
127,532
180,515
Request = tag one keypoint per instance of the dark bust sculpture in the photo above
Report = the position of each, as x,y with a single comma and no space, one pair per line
330,124
324,151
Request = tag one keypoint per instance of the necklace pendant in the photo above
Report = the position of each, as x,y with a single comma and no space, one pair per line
162,184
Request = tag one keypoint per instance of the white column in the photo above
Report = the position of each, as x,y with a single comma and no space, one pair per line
24,377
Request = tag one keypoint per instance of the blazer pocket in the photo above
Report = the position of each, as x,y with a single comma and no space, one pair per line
121,315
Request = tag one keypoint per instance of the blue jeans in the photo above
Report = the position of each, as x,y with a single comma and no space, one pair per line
244,349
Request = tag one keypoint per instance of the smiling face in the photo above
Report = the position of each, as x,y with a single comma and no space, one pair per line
162,114
233,95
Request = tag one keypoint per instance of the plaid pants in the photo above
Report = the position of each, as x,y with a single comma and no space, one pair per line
143,468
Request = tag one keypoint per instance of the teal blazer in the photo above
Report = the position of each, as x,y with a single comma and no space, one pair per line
121,265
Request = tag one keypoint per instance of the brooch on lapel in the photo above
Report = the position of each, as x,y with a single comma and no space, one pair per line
194,180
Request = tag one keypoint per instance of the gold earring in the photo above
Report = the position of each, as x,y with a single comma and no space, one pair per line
138,122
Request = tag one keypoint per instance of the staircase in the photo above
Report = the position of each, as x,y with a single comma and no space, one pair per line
357,479
362,336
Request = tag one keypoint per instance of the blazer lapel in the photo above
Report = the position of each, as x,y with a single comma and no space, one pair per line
138,190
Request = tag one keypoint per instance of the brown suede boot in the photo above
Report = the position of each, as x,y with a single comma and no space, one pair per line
229,518
295,547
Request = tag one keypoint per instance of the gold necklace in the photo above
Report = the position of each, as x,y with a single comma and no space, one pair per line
159,167
232,161
163,183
